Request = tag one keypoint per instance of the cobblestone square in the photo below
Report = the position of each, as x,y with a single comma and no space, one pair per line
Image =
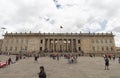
86,67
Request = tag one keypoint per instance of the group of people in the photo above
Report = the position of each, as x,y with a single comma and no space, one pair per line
71,58
107,58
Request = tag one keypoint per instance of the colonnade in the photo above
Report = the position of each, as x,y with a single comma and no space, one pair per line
61,45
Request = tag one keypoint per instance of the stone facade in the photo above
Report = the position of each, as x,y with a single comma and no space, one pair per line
1,41
58,42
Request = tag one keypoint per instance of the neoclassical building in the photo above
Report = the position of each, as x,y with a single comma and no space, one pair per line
58,42
1,41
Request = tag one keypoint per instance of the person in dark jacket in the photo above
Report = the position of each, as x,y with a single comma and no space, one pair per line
9,61
106,63
42,73
119,60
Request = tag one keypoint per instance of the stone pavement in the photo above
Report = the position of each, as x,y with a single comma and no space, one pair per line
86,67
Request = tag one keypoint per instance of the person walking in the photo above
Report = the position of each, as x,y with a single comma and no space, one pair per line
113,57
35,57
106,63
119,60
42,73
9,61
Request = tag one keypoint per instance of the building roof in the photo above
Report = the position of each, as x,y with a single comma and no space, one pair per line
61,34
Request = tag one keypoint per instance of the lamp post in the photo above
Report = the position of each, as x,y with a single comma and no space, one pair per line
3,29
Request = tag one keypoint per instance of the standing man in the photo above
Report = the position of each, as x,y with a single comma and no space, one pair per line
106,63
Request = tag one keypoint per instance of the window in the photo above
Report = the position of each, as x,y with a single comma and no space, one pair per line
40,48
15,48
92,41
79,48
41,41
110,41
17,41
111,48
22,41
25,47
102,48
98,48
26,41
107,48
105,41
21,48
101,41
6,48
11,40
10,48
7,41
79,41
93,48
97,41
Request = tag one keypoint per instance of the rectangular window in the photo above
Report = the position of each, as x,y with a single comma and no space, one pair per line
26,41
107,48
98,48
101,41
105,41
79,48
6,48
40,48
22,41
15,48
97,41
102,48
7,41
92,41
11,41
93,48
10,48
111,48
110,41
41,41
25,47
79,41
21,48
17,41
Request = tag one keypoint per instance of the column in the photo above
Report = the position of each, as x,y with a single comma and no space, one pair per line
66,44
62,45
48,44
76,44
72,45
43,45
53,45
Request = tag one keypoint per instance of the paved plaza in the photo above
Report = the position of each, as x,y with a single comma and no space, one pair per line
86,67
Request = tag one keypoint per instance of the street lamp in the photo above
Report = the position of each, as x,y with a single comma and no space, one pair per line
3,29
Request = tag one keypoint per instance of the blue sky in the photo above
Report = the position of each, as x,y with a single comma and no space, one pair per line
73,15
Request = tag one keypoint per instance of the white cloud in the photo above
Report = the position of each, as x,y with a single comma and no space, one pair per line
73,15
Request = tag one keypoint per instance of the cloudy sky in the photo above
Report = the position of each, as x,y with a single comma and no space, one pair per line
49,15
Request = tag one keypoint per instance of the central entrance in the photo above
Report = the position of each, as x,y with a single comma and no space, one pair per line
60,45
